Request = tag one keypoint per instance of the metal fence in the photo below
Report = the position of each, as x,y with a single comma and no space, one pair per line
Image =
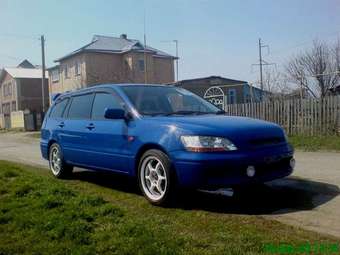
298,117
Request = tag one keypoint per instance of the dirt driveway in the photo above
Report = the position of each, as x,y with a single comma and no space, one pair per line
309,199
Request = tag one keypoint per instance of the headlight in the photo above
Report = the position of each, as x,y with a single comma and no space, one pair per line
207,143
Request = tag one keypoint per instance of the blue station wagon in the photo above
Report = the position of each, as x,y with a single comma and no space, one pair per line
165,136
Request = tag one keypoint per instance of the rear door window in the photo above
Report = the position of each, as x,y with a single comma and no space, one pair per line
103,101
81,107
58,109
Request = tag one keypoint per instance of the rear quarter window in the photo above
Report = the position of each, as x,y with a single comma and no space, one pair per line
59,108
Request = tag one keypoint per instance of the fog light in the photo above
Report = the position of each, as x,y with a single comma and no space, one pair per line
292,162
251,171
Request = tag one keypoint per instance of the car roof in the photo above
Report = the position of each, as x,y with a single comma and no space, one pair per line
106,86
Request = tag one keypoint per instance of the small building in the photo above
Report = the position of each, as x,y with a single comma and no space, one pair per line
109,59
220,90
20,90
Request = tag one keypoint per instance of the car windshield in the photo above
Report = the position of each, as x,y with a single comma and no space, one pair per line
161,100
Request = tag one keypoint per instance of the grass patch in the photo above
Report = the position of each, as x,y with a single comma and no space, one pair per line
34,135
315,143
40,214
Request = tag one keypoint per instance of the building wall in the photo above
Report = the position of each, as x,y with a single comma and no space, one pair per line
163,70
30,95
200,87
104,68
99,68
125,68
8,95
72,80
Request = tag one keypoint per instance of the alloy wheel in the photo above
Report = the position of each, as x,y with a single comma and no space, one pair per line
153,178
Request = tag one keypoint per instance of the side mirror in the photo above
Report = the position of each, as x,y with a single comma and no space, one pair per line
114,114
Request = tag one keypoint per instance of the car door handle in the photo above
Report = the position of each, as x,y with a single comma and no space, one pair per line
90,126
61,124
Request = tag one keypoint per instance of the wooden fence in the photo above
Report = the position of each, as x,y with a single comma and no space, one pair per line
307,117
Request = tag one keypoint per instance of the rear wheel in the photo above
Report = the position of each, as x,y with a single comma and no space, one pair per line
57,164
156,178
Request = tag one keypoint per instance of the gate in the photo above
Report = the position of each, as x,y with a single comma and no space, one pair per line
215,95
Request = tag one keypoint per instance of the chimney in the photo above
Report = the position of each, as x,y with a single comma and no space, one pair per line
123,36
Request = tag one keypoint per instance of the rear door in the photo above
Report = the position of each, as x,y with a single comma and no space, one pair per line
75,142
107,139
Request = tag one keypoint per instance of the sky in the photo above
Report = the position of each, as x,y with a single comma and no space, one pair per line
216,37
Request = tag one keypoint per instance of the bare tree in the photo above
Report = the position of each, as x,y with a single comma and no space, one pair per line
276,83
316,69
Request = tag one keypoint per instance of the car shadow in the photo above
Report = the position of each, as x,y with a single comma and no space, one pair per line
277,197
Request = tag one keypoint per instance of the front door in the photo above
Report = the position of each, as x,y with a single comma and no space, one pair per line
107,139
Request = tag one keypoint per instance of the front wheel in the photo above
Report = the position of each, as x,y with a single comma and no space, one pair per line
156,178
57,164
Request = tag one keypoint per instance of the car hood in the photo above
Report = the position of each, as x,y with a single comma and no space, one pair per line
241,130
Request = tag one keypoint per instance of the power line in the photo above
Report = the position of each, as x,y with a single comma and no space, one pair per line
21,36
262,62
8,56
302,43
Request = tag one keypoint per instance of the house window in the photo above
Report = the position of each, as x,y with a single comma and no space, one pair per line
141,65
7,89
55,75
232,96
77,67
14,106
66,74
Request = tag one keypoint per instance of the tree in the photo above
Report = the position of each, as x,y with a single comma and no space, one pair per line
317,69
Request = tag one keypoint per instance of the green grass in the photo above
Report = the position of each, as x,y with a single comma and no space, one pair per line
315,143
42,215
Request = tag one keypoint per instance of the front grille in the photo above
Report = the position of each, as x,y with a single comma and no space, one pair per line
274,164
266,141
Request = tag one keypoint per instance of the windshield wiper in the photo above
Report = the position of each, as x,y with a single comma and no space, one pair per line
220,112
185,113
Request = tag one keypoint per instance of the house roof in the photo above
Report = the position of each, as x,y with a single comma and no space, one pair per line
16,72
109,44
26,64
227,80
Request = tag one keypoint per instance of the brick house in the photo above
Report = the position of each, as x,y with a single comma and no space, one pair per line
110,60
20,89
219,89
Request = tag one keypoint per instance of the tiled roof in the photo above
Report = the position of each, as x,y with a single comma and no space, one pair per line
108,44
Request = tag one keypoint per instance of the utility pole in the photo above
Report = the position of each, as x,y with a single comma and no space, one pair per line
261,64
145,58
260,59
42,40
176,44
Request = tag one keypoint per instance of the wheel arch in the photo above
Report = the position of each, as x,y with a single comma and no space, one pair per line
52,141
143,149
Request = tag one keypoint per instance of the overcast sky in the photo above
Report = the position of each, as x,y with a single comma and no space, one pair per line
215,37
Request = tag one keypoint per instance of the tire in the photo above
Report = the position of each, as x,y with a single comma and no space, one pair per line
156,178
57,165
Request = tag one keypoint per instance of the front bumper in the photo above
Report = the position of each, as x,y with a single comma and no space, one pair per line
216,170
